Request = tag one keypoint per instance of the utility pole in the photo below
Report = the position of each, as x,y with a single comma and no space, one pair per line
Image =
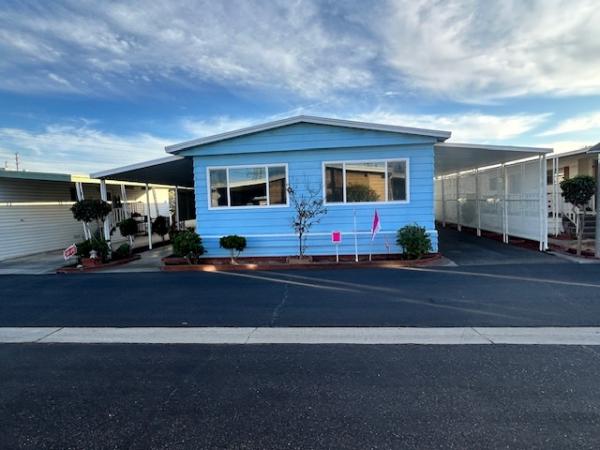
17,160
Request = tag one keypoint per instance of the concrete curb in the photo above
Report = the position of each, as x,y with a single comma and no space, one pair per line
305,335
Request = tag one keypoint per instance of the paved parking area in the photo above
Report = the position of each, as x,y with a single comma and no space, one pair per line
466,249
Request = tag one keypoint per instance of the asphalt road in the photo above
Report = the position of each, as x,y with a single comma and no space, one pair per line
501,295
155,396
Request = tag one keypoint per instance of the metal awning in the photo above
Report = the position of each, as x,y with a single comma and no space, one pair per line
454,157
170,171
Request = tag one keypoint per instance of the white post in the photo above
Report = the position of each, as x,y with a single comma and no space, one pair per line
597,235
457,202
104,197
155,202
443,204
554,198
541,197
355,239
148,217
124,201
478,203
80,196
176,208
505,205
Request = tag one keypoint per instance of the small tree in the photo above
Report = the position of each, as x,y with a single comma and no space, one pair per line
309,209
91,210
128,228
160,226
414,241
578,191
233,243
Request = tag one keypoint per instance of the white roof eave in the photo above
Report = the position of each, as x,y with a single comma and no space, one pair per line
439,134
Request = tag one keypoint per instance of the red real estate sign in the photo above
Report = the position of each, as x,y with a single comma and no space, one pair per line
71,250
336,237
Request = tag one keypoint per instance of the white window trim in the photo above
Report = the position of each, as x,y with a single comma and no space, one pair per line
351,161
246,166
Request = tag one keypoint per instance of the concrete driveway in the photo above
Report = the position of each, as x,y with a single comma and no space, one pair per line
465,249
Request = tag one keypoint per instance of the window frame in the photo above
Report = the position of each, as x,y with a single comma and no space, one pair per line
247,166
386,181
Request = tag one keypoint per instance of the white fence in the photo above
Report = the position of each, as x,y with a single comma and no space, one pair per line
509,199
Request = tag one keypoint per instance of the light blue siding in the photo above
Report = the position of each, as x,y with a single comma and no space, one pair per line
305,136
268,229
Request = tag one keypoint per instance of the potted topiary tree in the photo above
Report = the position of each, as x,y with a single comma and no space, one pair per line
160,226
95,249
578,191
235,244
414,241
128,228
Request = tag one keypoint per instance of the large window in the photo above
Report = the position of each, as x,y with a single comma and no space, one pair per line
247,186
366,181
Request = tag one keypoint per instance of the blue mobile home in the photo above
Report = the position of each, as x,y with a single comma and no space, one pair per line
240,181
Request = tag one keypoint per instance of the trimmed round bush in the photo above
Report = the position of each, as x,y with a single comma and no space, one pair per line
187,244
233,243
128,227
414,241
160,226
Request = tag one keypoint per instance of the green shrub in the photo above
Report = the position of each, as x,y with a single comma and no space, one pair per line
122,252
414,241
187,244
361,193
85,247
233,243
128,227
160,226
90,210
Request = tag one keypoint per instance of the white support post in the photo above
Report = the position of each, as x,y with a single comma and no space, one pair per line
504,206
80,196
126,210
554,196
176,208
597,234
155,202
458,226
443,203
124,201
477,202
542,208
148,217
104,197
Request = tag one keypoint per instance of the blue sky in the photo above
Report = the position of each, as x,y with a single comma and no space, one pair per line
88,85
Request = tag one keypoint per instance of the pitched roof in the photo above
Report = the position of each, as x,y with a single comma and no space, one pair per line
439,134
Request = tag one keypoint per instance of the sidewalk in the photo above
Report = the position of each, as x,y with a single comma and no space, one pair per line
150,261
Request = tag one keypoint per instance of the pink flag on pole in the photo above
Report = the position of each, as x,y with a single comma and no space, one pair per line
376,227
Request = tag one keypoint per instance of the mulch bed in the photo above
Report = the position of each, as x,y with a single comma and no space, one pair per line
173,264
75,269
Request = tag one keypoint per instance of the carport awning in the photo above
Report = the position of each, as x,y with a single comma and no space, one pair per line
454,157
170,171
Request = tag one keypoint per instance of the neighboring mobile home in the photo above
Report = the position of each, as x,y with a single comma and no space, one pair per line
240,179
35,213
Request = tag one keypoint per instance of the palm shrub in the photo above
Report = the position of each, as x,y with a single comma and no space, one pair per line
100,246
233,243
188,244
414,241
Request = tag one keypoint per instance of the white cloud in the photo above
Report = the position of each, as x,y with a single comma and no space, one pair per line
77,149
468,50
580,123
197,128
466,127
565,146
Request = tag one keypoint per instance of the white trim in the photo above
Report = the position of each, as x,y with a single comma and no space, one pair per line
353,161
506,148
306,119
245,166
271,235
